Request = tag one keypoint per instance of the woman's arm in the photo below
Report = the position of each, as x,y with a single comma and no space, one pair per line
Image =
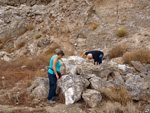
54,67
95,63
83,54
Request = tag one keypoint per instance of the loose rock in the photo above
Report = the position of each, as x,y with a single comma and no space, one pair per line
92,97
138,66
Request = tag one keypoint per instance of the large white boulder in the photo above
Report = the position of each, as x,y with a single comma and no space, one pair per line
70,64
72,87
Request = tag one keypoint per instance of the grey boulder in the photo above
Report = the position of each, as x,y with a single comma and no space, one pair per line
92,97
139,86
39,87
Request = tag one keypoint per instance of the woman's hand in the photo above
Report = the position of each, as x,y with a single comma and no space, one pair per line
57,76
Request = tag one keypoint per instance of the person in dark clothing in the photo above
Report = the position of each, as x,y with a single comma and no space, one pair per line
96,55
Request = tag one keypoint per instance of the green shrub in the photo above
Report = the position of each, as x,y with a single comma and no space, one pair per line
121,33
38,36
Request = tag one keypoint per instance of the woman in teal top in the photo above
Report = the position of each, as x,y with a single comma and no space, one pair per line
58,65
54,75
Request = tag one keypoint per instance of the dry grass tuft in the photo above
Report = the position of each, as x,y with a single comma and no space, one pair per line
69,53
118,50
22,76
9,50
16,73
29,27
94,26
120,95
44,30
44,0
115,107
121,33
142,55
38,36
35,63
1,47
52,49
29,111
45,58
4,40
20,45
38,72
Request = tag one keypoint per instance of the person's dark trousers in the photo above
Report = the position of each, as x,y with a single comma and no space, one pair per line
52,86
100,58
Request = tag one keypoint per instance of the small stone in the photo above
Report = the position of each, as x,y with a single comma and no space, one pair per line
43,70
3,77
24,66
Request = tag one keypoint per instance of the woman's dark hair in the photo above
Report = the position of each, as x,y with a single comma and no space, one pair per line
60,52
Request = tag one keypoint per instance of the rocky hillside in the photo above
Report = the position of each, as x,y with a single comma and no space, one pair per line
31,31
32,27
83,88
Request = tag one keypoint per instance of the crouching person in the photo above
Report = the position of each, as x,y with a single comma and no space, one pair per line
54,75
96,55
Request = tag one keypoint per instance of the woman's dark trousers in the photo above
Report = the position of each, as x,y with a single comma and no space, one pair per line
52,86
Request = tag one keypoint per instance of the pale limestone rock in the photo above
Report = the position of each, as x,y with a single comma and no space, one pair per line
72,87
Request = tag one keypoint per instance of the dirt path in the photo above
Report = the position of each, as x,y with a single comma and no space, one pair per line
59,108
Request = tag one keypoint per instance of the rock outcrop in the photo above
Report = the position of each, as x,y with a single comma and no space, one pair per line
139,86
92,81
89,24
106,71
27,2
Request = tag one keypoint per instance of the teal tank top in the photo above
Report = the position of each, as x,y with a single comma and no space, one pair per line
58,65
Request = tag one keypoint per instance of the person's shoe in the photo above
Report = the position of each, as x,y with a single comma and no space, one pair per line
50,102
55,98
